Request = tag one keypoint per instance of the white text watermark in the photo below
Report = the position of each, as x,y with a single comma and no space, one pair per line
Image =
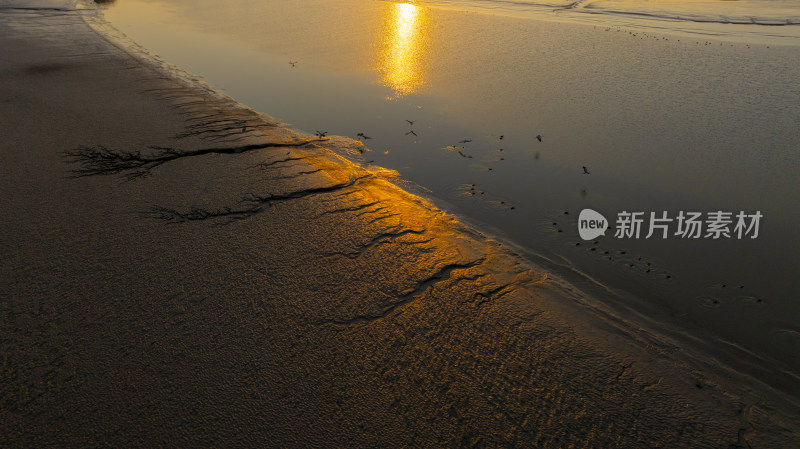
661,225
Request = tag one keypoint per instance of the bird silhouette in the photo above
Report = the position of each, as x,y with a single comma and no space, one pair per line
410,122
465,141
322,133
363,136
585,170
411,132
293,63
539,137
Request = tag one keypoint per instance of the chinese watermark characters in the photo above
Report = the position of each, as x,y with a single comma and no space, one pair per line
661,225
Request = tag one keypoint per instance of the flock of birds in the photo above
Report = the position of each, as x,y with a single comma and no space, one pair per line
469,189
461,145
411,132
472,190
458,148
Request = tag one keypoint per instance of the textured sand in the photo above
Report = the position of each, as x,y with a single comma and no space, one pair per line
169,280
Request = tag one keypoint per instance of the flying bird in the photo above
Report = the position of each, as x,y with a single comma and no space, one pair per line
465,141
363,136
539,137
410,122
411,132
293,63
585,170
322,133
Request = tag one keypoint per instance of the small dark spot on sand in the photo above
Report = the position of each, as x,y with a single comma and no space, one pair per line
577,243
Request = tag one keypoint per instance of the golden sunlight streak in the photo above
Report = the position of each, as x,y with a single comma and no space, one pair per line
402,55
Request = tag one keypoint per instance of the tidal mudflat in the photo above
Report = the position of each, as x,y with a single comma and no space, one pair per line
183,270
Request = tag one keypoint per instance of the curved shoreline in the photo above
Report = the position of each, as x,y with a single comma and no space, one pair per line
623,305
443,308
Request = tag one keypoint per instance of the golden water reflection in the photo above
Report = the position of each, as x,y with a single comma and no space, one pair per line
403,51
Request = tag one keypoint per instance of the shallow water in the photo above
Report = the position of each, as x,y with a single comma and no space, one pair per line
665,116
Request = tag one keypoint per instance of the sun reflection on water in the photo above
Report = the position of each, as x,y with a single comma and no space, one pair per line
402,55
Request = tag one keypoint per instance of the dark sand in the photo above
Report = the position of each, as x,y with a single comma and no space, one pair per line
252,289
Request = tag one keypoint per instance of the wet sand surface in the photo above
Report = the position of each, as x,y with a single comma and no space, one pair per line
180,271
664,119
